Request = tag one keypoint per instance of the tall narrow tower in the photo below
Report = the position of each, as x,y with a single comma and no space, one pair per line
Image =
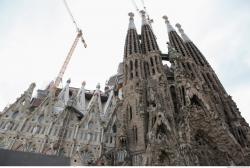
147,131
131,132
207,117
226,106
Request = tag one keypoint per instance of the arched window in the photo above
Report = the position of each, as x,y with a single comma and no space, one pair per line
157,64
131,69
174,98
135,133
136,68
196,101
130,112
40,119
114,128
151,61
14,115
183,95
90,125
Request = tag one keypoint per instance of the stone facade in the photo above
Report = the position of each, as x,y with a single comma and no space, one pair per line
148,114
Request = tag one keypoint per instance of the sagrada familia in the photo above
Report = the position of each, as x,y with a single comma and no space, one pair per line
148,113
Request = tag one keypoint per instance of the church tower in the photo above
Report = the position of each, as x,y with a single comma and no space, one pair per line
204,119
147,114
132,128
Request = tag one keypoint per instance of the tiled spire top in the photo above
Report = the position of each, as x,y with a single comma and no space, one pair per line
132,45
131,21
169,26
183,35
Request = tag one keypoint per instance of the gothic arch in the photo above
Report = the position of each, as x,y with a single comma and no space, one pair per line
14,115
41,118
196,97
90,124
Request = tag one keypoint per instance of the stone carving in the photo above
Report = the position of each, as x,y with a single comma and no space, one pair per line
149,114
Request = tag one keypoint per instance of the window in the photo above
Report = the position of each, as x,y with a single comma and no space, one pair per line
131,69
136,68
135,133
41,118
174,98
130,113
183,95
14,115
151,61
114,128
90,125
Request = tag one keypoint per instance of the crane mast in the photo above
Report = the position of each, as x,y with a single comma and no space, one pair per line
71,51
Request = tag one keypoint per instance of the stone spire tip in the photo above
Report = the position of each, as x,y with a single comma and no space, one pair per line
178,25
131,21
83,83
98,86
68,81
144,19
165,18
131,14
169,26
184,36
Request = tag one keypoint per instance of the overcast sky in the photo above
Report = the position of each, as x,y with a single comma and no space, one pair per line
37,34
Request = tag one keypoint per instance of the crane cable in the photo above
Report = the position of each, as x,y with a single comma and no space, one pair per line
136,7
144,7
71,15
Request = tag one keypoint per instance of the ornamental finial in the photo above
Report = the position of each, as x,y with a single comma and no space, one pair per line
166,19
68,81
183,35
131,21
83,83
169,26
98,86
131,14
144,19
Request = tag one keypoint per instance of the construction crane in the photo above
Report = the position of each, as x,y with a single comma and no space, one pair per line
71,51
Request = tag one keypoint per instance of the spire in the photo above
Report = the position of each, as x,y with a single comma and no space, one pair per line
183,35
144,19
96,99
148,40
131,21
28,94
80,99
64,94
132,45
192,48
174,39
169,26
